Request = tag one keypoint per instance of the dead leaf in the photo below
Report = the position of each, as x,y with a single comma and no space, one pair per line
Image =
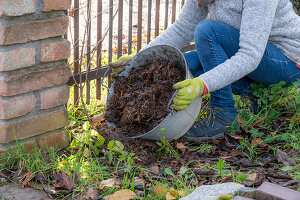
293,119
98,118
112,182
181,147
170,196
79,113
252,177
237,137
175,193
123,195
87,153
225,157
273,133
67,183
138,181
27,177
92,193
283,158
160,190
240,119
155,169
256,141
106,197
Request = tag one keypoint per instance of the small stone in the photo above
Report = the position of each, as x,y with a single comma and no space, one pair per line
240,198
247,191
213,192
14,191
276,192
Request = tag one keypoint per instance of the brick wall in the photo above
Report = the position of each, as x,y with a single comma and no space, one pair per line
33,73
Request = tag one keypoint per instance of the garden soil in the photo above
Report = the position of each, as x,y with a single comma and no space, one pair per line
140,101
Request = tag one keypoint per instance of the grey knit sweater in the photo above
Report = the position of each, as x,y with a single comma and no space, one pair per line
259,22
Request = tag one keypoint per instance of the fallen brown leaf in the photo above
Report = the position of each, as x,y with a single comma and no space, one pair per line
112,182
155,169
170,196
273,133
181,147
237,137
123,195
252,177
160,190
67,183
98,118
256,141
27,177
283,158
92,193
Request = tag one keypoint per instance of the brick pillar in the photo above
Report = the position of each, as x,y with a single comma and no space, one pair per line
33,73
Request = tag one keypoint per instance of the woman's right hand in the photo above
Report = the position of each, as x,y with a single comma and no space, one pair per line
119,66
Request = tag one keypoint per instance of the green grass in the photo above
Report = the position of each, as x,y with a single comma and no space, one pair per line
91,160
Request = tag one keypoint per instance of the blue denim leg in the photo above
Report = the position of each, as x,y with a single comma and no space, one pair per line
193,63
216,42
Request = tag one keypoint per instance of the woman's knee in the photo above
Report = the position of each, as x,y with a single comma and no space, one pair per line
204,30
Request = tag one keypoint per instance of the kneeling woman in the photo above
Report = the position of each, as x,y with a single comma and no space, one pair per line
244,41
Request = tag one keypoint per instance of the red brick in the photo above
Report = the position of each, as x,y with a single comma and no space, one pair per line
59,140
43,78
56,5
270,191
16,107
54,97
55,51
35,30
17,7
29,144
8,61
33,126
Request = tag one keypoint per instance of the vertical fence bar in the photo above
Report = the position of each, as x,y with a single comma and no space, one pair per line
110,43
110,35
139,31
99,46
149,21
157,7
76,48
88,49
166,14
182,3
173,11
120,28
130,26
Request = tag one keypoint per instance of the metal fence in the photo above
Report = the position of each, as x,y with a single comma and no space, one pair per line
163,12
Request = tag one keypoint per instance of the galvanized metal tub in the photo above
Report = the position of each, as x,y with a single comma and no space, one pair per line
177,123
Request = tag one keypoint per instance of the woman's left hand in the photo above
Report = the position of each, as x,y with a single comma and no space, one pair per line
189,90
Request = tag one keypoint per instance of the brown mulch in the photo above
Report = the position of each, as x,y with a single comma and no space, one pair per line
140,100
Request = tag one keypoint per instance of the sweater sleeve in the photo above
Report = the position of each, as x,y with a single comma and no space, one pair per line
256,24
181,32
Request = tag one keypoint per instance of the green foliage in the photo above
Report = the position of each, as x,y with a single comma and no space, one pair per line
202,148
115,149
166,149
240,178
220,165
88,138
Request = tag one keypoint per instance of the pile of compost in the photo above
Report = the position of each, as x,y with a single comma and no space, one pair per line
140,101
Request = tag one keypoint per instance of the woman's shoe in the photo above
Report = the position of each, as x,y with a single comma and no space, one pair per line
214,125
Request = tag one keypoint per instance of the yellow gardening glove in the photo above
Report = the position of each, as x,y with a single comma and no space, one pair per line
189,90
119,66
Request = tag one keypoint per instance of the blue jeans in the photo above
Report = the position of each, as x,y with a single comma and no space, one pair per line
217,42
